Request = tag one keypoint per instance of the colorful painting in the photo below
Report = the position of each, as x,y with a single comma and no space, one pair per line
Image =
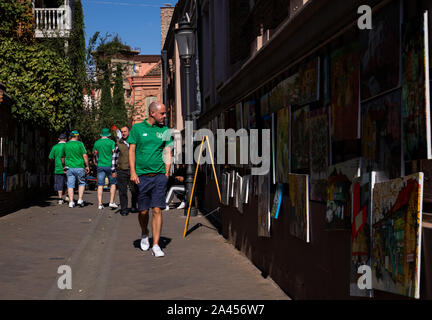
300,139
396,235
291,90
381,135
319,153
299,206
309,78
283,145
361,228
277,200
264,221
344,86
380,52
276,98
264,104
415,90
340,178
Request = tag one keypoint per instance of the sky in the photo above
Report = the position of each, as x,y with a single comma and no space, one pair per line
137,22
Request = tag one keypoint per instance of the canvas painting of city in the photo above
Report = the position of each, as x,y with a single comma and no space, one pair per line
340,178
415,90
344,92
381,135
264,205
396,235
380,50
361,227
299,206
319,153
309,80
300,139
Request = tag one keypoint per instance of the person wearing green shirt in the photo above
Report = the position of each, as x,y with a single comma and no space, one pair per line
75,163
150,161
103,150
59,175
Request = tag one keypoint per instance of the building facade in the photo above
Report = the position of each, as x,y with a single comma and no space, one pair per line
246,51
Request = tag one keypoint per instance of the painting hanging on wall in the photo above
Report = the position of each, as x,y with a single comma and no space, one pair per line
283,145
252,115
299,206
309,80
380,52
396,235
245,189
264,104
381,135
300,139
264,221
340,178
238,189
319,153
291,90
276,100
344,86
361,228
415,90
277,201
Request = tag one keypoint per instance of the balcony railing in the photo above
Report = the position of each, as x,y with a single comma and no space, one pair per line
52,22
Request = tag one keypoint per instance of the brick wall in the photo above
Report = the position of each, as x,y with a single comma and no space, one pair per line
166,15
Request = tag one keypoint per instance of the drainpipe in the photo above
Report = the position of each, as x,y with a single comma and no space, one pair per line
164,81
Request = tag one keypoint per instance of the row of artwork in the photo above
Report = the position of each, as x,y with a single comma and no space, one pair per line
23,181
385,219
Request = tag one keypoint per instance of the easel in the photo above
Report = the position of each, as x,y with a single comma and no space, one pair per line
196,172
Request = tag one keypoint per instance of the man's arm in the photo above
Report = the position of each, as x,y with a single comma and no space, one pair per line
167,159
133,175
87,168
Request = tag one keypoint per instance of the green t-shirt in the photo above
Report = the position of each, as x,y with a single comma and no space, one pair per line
150,142
73,154
56,154
104,148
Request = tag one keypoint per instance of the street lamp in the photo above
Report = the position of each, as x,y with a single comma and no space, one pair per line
185,38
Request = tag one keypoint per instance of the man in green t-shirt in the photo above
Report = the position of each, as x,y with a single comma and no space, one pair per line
59,175
150,161
103,150
75,163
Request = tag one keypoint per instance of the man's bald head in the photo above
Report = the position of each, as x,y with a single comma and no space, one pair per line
154,106
157,111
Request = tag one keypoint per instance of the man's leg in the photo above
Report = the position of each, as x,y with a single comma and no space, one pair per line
156,225
112,193
80,192
70,185
134,194
143,218
81,185
122,183
71,194
101,183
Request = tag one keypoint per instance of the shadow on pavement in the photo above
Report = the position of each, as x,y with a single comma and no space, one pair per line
163,242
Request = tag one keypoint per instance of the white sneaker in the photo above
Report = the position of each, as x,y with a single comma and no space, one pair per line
81,203
182,205
145,244
167,208
67,198
71,204
113,205
157,251
101,207
60,202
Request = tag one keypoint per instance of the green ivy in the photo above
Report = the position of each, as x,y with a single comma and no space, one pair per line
16,20
40,82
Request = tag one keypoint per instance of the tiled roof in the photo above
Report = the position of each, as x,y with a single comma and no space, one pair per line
156,70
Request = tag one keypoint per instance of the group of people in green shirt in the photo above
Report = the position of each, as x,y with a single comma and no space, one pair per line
140,160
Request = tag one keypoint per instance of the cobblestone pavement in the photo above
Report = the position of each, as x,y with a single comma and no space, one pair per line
102,250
